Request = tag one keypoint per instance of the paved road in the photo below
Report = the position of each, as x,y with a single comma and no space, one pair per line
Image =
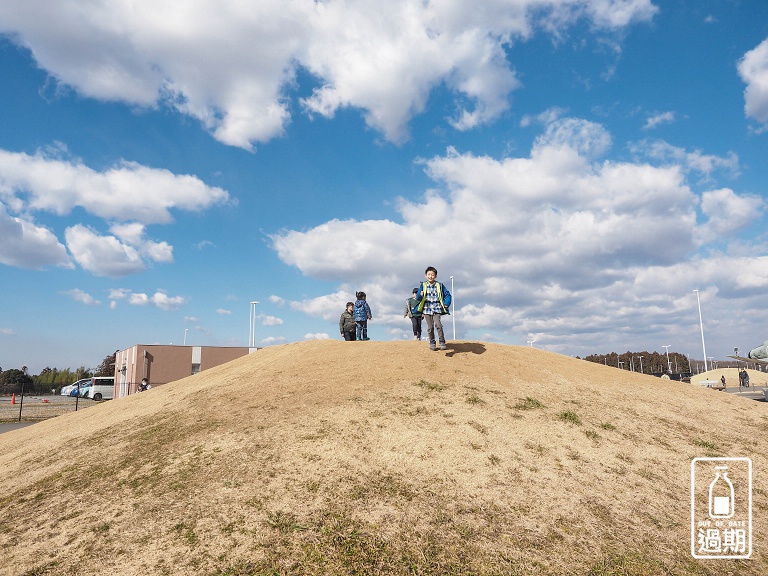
4,427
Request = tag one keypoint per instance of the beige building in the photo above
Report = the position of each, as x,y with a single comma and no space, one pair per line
162,364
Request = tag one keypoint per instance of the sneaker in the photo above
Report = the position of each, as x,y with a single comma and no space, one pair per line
432,346
443,346
416,338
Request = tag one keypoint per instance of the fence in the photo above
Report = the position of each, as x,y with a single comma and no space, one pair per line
35,407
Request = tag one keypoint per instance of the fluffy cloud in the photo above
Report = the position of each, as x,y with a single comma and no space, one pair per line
555,245
129,194
82,296
102,255
158,299
753,69
384,59
27,245
58,186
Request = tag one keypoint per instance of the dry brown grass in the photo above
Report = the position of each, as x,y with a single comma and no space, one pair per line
484,459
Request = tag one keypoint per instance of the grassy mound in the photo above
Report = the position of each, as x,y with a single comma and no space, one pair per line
329,457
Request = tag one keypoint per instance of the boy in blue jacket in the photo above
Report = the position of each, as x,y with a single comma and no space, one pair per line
362,315
433,300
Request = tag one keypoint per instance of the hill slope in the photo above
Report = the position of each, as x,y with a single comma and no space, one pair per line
329,457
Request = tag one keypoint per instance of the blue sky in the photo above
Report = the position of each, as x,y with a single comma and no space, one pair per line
579,167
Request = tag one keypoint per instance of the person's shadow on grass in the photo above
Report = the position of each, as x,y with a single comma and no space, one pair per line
464,348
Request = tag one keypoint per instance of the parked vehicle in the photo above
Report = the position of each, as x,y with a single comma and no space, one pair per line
100,388
69,388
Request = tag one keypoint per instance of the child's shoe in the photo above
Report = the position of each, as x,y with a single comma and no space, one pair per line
443,346
432,346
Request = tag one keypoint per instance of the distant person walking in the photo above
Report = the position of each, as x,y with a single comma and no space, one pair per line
433,299
347,324
722,381
416,317
362,315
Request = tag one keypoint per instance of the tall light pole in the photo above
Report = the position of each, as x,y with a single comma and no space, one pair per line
530,342
185,336
252,333
701,324
641,364
453,316
669,364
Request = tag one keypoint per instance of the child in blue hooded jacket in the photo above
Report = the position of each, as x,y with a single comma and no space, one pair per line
362,315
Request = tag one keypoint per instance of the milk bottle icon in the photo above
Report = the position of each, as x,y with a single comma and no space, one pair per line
721,494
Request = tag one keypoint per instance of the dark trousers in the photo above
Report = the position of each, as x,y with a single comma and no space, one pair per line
416,321
434,322
349,335
362,329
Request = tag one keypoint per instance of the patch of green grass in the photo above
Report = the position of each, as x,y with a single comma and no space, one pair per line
537,448
607,426
592,435
706,445
570,416
187,533
284,521
479,427
528,404
41,570
102,528
627,564
474,399
430,386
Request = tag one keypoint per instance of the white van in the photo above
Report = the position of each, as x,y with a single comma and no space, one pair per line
101,388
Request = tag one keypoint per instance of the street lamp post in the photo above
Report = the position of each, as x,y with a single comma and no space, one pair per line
641,364
453,316
530,342
701,325
669,364
185,336
252,332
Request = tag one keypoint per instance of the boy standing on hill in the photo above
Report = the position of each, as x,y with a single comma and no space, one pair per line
433,300
362,315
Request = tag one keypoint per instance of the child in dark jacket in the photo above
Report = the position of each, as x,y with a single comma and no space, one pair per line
347,324
362,315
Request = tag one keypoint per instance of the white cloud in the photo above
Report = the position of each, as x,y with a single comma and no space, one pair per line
383,59
102,255
130,195
273,340
587,138
753,69
658,119
277,300
26,245
133,234
58,186
689,161
7,331
317,336
82,296
555,245
271,321
728,212
223,311
159,299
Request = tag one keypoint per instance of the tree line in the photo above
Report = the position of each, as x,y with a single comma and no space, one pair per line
650,362
14,380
